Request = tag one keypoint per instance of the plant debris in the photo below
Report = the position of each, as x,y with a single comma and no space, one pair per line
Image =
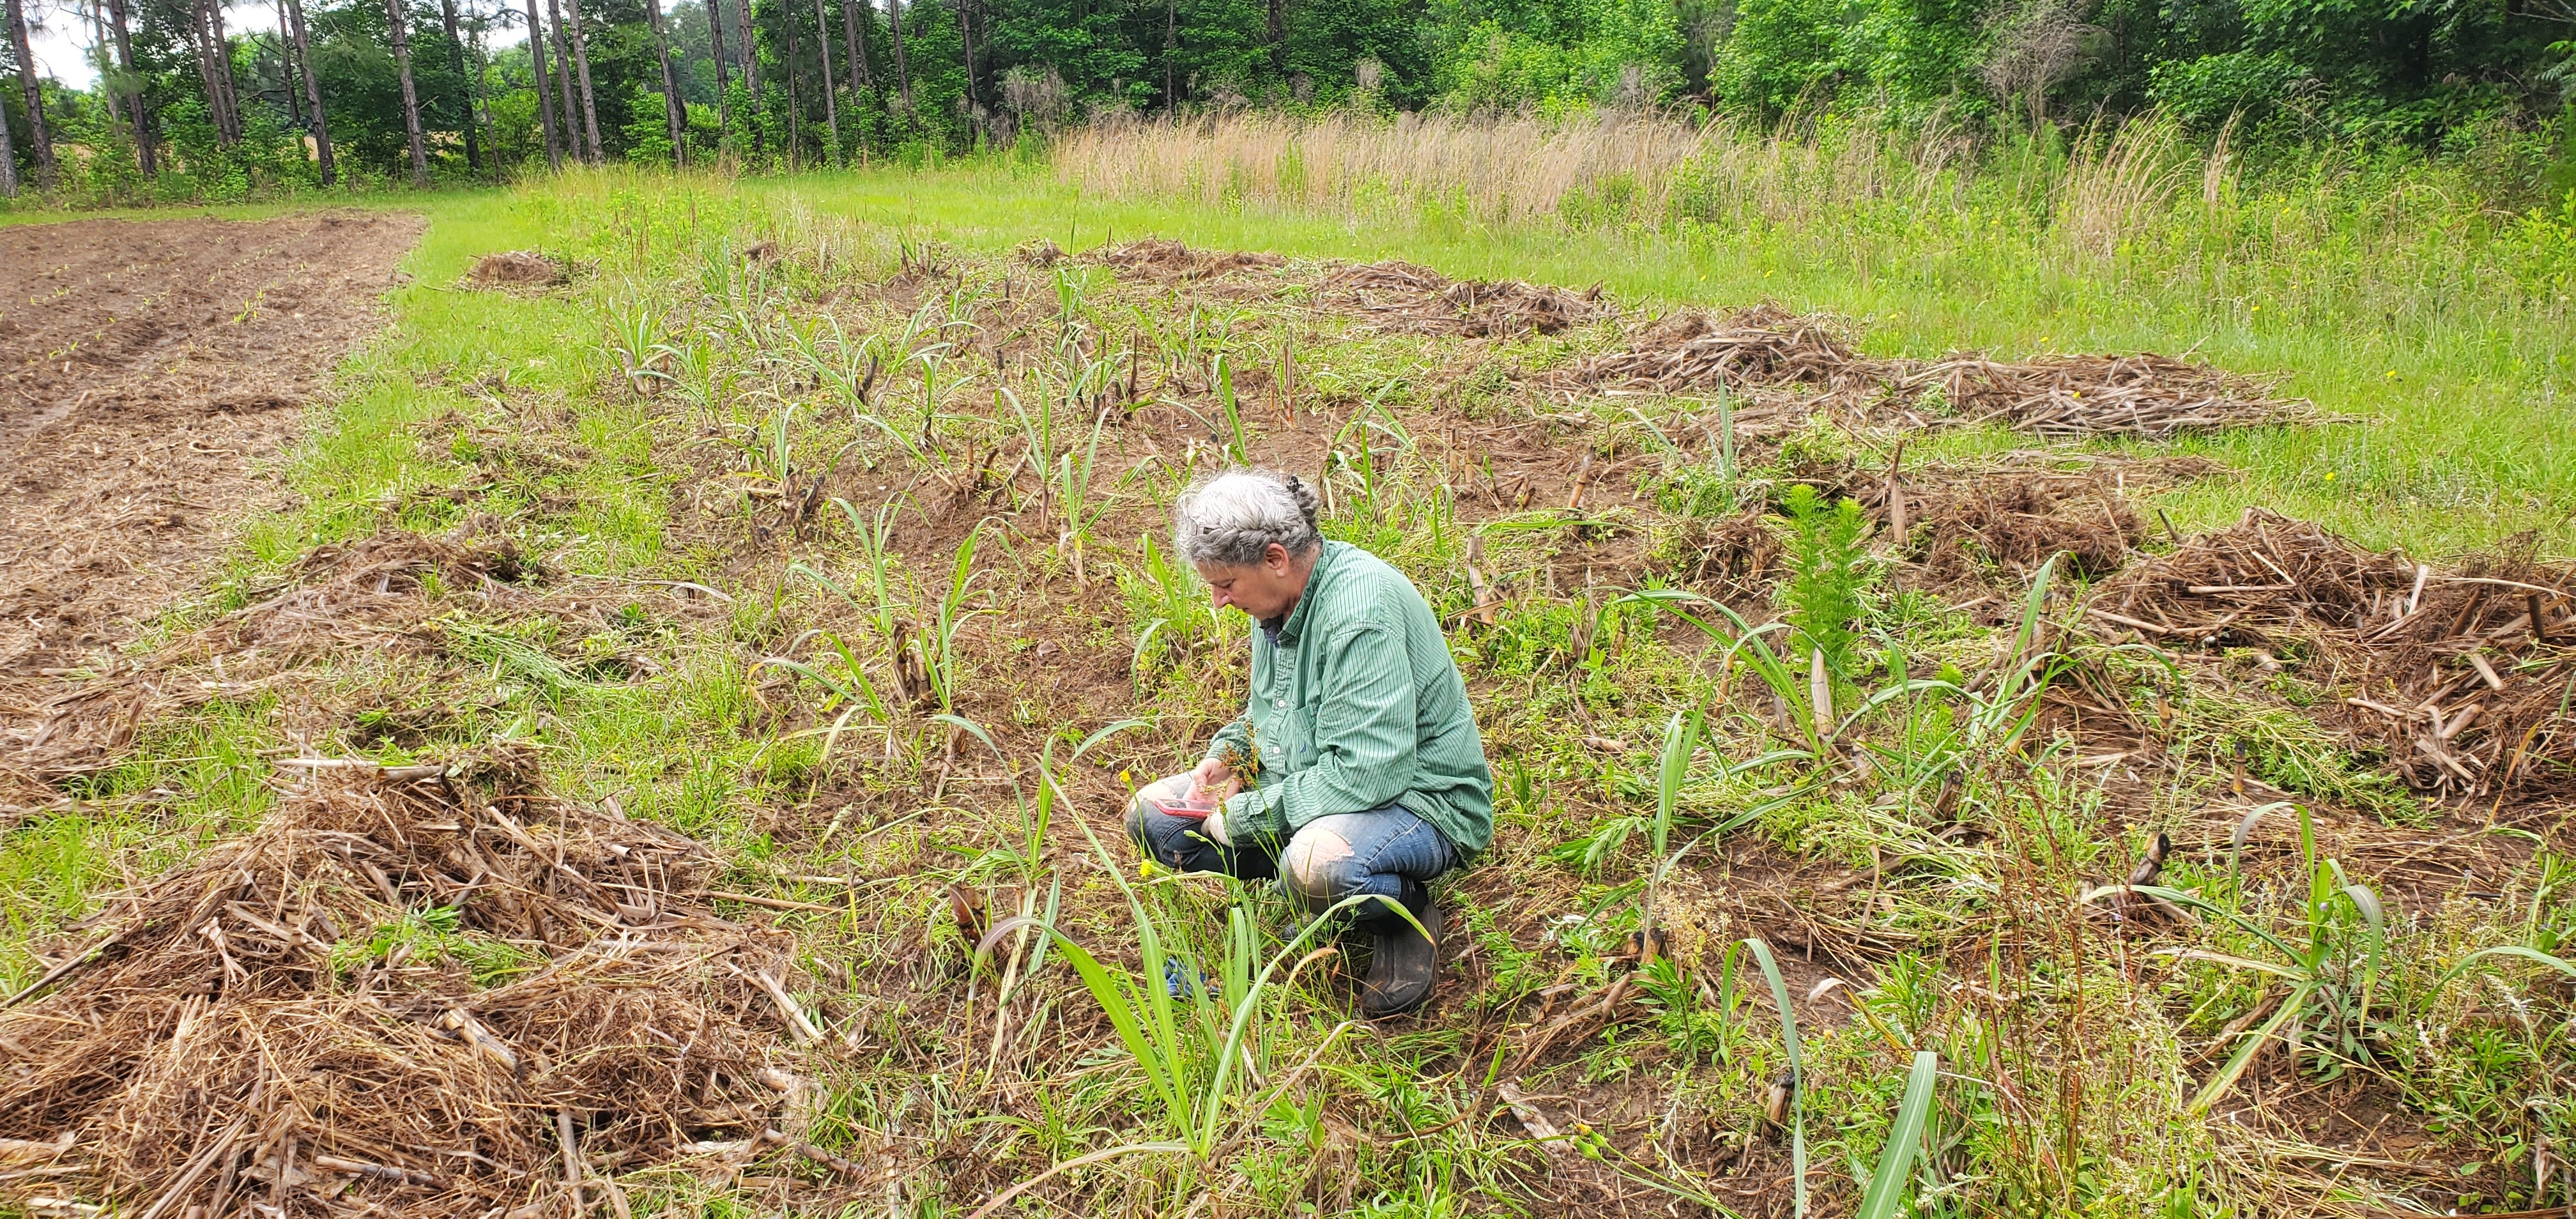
1768,347
1405,298
298,1014
1171,262
361,595
2461,677
518,269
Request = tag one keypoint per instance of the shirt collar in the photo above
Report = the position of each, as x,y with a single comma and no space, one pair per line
1289,629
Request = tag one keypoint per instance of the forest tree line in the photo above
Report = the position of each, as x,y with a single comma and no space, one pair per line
200,99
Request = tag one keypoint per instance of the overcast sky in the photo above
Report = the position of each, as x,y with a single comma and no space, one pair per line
62,35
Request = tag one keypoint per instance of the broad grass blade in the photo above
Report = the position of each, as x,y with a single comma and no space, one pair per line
1886,1193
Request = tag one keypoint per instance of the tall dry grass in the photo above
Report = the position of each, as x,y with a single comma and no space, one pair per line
1650,167
1503,169
2106,188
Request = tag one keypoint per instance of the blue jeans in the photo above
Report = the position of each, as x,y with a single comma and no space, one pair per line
1326,861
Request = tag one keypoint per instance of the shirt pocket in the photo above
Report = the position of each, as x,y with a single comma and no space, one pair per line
1291,747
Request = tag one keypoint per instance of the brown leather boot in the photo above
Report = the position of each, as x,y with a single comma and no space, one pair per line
1404,966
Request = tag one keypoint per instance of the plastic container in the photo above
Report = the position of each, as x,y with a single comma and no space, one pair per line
1184,807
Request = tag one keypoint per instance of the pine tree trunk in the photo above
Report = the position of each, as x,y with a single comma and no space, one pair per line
199,42
854,47
313,95
795,107
674,110
831,112
749,37
395,22
966,41
581,64
222,45
1278,32
545,88
144,158
286,64
894,34
715,47
482,95
39,142
8,162
563,85
465,100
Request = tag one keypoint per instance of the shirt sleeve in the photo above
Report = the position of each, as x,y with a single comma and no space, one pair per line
1232,744
1363,739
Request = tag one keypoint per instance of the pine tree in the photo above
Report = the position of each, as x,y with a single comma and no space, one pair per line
39,142
716,50
465,95
130,84
831,112
854,47
563,87
321,126
8,162
674,109
894,34
545,89
581,64
396,21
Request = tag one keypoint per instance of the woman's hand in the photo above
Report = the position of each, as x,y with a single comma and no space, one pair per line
1213,780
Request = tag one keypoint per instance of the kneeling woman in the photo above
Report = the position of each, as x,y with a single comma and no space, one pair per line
1355,768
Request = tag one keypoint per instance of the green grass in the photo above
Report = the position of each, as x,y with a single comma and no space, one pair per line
2069,1054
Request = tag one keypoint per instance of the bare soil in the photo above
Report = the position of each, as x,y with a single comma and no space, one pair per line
151,367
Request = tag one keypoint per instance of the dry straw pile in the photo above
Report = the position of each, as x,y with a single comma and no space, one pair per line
1767,348
294,1021
2462,677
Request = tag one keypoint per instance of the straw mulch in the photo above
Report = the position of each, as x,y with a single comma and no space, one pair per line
2075,396
518,269
1769,348
2461,676
1765,345
1960,521
1404,298
1171,262
288,1026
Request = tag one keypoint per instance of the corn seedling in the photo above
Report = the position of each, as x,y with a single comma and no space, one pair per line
1165,597
1748,642
1789,1110
2323,993
1371,423
1681,737
1037,811
1883,1195
701,376
635,338
1080,509
1188,1037
851,692
1239,449
940,656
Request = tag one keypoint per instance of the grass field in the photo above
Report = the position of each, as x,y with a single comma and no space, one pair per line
767,421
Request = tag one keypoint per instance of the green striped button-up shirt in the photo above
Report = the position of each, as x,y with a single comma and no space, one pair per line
1356,705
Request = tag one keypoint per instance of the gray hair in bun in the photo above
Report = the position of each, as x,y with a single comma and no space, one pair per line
1233,517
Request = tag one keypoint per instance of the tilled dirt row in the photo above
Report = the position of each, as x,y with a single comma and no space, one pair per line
147,370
